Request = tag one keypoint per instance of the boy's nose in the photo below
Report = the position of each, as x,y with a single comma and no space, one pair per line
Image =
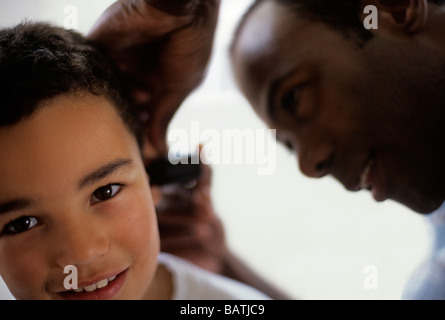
80,243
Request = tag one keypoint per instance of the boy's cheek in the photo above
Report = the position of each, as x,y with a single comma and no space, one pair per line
135,225
136,235
25,274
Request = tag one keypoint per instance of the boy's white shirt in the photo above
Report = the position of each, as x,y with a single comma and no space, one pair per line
191,282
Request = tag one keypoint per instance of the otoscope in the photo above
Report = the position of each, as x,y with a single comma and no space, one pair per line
162,171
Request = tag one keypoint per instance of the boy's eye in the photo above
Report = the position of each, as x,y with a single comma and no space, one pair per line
105,193
20,225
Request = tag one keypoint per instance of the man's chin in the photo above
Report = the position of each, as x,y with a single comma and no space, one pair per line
423,205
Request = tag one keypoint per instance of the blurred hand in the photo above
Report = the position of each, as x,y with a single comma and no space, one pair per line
162,47
189,226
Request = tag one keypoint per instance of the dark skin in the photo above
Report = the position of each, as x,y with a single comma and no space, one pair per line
369,116
189,224
149,41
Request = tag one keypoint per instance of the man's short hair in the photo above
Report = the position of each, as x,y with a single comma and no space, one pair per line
340,15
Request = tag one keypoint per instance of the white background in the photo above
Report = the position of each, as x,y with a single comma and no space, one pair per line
311,238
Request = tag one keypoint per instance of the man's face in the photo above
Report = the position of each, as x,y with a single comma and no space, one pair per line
345,110
74,192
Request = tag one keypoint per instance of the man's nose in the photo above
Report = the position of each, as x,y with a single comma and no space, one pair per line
315,160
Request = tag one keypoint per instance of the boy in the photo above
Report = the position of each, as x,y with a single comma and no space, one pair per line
74,191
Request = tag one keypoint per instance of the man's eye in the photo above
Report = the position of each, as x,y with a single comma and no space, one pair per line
291,100
289,146
20,225
105,193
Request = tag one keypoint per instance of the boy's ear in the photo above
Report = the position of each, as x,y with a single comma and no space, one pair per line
410,16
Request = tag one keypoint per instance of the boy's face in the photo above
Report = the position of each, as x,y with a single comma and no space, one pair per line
74,192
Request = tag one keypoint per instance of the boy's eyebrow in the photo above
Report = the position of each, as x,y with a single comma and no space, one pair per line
15,205
97,175
104,172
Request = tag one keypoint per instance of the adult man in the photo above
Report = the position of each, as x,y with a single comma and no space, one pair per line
363,106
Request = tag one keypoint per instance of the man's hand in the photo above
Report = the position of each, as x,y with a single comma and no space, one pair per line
189,226
162,47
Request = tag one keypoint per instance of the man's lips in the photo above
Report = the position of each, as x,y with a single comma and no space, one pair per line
361,178
370,179
365,182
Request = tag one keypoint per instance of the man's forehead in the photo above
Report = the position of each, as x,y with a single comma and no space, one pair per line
267,41
259,47
256,40
258,29
272,28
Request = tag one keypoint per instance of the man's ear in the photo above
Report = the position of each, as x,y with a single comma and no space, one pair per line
410,16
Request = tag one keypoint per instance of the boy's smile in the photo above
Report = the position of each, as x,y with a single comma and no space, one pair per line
74,192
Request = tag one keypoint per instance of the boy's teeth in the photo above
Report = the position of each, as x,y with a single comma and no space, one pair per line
111,278
98,285
102,283
90,288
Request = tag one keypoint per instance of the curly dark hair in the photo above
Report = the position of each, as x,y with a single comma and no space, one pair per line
341,15
39,61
